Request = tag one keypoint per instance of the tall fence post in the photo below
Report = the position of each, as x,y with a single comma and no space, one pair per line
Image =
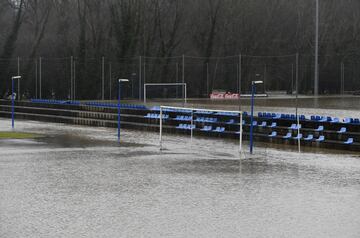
297,101
144,81
342,82
40,77
110,84
71,76
140,77
36,78
103,78
207,79
74,80
183,73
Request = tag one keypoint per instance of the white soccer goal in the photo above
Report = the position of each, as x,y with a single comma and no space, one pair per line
167,84
191,112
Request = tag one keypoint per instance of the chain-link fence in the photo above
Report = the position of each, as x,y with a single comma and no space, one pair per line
97,78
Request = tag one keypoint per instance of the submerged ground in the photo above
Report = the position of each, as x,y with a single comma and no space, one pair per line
78,182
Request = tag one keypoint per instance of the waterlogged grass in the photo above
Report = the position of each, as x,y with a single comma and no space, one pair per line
17,135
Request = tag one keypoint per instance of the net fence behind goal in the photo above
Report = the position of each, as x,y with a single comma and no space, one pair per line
165,91
197,121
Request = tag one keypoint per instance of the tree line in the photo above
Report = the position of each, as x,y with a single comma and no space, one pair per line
164,30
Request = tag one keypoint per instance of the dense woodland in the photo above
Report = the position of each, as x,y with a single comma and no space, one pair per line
145,40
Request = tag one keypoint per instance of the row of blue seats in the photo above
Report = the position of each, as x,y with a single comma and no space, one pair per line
115,105
205,128
335,119
156,116
186,126
52,101
352,120
316,118
280,116
157,108
320,128
310,137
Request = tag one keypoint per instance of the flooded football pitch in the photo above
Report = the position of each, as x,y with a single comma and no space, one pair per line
78,182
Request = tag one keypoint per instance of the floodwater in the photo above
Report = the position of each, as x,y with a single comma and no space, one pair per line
78,182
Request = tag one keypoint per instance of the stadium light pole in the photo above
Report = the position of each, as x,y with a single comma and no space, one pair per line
118,106
13,99
316,79
253,88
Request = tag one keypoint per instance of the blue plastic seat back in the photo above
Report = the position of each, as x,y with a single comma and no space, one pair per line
273,124
273,134
349,141
288,135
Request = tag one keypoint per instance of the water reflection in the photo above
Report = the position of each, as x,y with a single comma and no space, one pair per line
79,189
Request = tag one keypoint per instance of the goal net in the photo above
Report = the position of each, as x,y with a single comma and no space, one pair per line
165,90
195,121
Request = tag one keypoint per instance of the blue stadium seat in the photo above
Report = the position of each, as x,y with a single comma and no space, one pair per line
277,116
181,126
273,125
231,121
342,130
349,141
335,120
273,134
299,136
348,120
320,139
310,137
263,124
219,129
287,136
294,127
206,128
320,128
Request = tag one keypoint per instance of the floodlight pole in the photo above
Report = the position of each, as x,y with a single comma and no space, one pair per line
118,106
40,77
297,100
18,81
13,100
316,78
253,88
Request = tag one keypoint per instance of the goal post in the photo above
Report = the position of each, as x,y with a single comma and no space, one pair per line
190,112
167,84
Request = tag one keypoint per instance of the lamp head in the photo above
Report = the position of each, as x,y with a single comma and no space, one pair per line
123,80
16,77
257,82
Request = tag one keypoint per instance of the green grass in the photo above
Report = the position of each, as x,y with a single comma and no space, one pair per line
17,135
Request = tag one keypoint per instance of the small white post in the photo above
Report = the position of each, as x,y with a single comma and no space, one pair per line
160,139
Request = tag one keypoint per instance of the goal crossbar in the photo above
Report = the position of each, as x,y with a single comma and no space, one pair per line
167,84
191,111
